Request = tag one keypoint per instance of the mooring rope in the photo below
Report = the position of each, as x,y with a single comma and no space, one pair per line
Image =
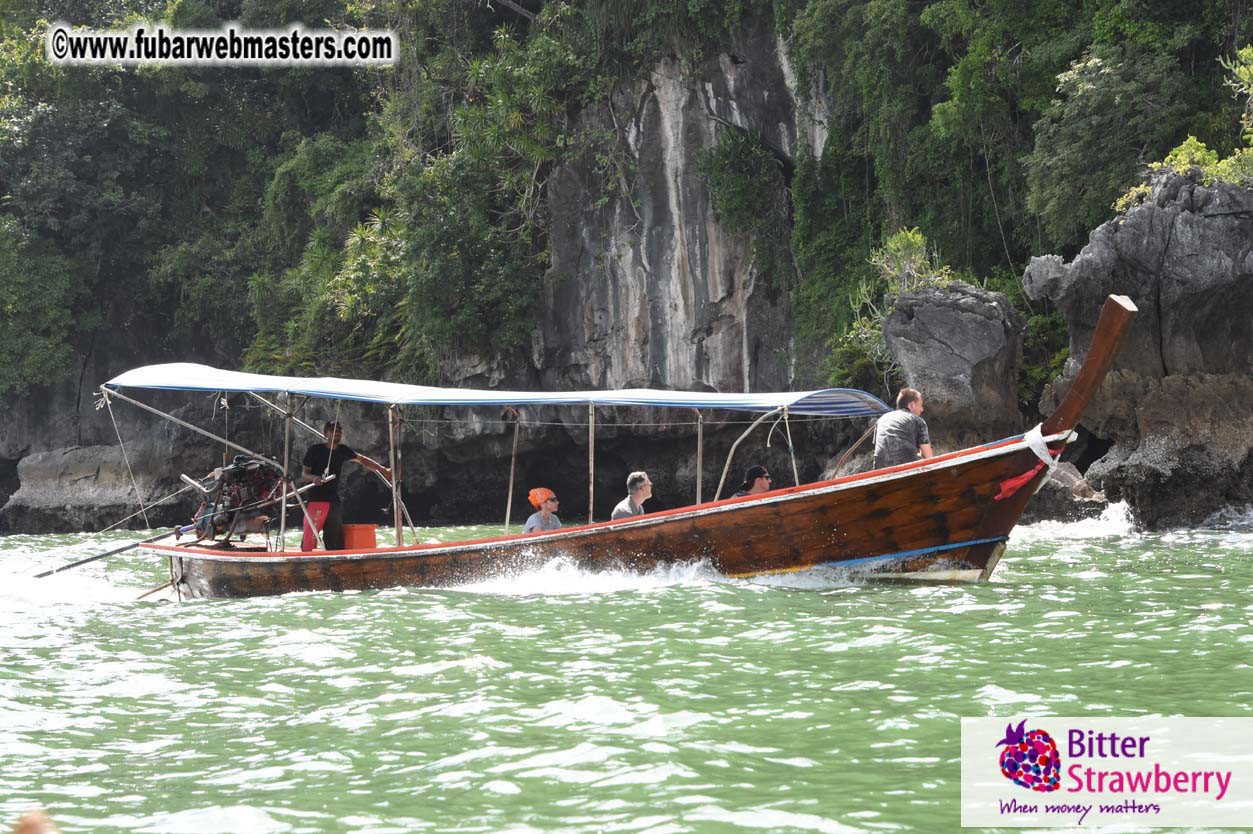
139,498
156,503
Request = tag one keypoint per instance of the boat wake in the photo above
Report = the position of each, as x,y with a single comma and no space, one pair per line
24,556
20,590
562,575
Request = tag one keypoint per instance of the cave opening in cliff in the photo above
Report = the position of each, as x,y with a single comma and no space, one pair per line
1087,449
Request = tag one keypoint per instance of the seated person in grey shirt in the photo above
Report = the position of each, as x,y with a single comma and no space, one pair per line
901,435
639,490
545,502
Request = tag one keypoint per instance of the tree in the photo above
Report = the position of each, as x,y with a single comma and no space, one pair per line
1117,110
37,293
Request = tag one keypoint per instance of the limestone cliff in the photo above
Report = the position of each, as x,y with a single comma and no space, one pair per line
1178,404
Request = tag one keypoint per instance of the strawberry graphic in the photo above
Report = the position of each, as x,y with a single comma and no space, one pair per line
1030,759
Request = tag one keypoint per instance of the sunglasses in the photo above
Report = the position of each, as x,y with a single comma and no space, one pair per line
553,499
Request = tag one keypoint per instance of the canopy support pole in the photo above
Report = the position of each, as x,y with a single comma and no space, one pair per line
591,460
292,413
226,423
393,421
513,460
791,450
108,392
700,450
282,517
844,457
735,445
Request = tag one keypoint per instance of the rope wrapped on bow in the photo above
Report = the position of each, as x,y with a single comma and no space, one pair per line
1047,456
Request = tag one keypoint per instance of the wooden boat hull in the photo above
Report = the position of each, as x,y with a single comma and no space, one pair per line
945,517
942,515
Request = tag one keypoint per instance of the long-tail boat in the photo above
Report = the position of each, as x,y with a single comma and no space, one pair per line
945,517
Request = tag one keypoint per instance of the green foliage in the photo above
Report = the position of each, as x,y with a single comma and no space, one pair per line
1191,153
906,262
1240,80
1045,348
1194,159
1117,110
831,233
324,183
151,176
473,281
748,193
859,356
37,293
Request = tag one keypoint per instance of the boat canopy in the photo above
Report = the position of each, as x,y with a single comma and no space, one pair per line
183,376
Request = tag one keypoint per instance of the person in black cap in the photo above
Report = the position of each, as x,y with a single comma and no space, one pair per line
756,481
321,462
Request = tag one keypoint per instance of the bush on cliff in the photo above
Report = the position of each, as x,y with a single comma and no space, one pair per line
1193,158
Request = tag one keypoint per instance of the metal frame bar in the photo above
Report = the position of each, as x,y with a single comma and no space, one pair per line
591,460
791,450
282,519
106,392
844,457
393,420
735,445
700,451
513,460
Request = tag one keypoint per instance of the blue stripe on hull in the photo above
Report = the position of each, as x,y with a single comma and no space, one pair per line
904,554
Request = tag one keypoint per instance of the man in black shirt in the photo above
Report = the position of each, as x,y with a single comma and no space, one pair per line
321,462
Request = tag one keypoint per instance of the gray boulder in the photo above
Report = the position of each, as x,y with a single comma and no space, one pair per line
88,487
961,346
1178,405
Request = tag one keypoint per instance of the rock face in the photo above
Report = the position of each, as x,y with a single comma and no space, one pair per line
646,288
962,348
100,484
1178,405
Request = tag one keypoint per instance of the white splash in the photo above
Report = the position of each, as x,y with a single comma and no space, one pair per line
1236,519
1114,522
563,576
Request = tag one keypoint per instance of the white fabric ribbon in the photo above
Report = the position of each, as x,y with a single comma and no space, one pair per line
1035,442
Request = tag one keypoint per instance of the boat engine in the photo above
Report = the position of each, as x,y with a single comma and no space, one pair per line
235,498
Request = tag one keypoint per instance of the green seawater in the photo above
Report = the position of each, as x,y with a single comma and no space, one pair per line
568,701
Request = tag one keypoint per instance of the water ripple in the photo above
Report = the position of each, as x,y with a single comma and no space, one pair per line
567,701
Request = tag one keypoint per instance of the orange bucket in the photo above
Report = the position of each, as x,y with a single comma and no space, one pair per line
359,536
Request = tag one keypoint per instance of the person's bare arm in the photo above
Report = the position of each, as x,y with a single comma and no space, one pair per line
925,448
376,466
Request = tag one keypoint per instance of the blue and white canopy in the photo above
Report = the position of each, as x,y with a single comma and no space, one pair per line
183,376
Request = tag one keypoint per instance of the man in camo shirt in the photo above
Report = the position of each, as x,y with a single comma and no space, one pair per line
901,435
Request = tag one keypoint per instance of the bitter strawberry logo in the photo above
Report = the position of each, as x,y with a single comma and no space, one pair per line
1030,758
